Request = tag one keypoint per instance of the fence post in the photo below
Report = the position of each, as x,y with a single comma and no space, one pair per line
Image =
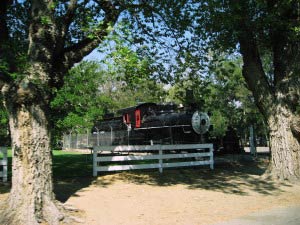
94,162
160,152
252,141
4,164
211,157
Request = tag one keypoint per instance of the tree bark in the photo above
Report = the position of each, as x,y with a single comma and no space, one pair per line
277,107
285,147
53,48
31,199
277,101
49,55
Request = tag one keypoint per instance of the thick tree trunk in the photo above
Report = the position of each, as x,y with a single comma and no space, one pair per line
31,199
49,56
277,101
285,146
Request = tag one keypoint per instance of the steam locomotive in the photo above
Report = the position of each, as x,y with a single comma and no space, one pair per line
151,123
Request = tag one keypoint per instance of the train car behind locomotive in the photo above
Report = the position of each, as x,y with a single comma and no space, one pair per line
148,123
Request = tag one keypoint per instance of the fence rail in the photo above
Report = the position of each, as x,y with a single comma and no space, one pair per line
202,155
3,163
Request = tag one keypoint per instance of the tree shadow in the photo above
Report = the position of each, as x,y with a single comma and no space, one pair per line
232,174
71,172
65,188
4,188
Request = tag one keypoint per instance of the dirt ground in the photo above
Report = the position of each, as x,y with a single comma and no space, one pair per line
186,196
183,196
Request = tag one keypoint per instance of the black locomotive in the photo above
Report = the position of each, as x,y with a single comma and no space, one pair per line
151,123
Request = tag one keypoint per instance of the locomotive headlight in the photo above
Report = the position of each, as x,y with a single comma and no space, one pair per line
200,122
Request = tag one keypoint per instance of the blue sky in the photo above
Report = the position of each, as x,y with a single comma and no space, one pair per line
94,56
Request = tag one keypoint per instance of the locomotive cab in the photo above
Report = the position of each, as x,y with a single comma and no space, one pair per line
133,116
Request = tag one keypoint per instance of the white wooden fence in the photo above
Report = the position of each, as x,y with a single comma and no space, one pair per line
3,164
202,155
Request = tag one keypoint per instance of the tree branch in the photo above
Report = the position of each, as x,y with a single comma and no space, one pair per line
5,78
69,16
285,44
112,9
3,25
76,52
253,71
63,24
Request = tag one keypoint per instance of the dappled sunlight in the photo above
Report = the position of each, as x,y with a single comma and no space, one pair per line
196,195
196,192
233,174
229,176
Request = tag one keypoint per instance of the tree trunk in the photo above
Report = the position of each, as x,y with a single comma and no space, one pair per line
277,101
31,199
285,147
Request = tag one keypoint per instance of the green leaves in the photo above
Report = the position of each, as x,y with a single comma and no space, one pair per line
46,20
119,80
79,102
4,132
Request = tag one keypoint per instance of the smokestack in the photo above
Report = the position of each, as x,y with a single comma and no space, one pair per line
189,97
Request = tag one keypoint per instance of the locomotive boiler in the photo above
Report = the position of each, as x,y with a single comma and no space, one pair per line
151,123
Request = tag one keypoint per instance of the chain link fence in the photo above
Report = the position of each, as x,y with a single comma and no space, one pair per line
88,140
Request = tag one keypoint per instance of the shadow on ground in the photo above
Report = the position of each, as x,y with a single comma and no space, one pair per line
232,174
4,188
71,172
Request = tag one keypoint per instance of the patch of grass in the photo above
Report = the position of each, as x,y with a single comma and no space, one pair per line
71,164
65,164
72,171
